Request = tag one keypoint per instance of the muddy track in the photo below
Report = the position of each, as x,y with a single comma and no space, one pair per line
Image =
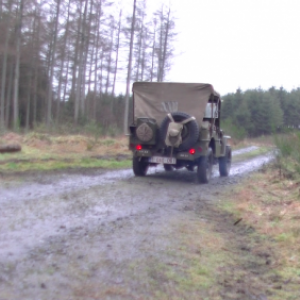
98,235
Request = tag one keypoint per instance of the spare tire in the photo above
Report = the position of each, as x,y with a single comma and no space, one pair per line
144,132
189,134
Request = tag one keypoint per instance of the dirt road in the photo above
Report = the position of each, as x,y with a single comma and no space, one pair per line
110,235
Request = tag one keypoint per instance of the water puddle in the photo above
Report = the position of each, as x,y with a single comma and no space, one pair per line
244,150
251,165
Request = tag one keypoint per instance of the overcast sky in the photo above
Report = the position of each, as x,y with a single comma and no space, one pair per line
237,43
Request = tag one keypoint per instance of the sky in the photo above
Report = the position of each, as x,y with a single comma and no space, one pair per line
235,44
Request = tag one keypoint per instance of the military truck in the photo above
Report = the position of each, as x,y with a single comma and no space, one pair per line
178,125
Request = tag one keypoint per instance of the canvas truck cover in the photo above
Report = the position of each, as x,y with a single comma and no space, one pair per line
157,99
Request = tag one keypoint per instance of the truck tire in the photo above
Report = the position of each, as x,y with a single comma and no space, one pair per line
190,132
139,166
204,168
144,132
225,163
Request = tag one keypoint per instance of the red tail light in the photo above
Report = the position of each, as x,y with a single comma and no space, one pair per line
138,147
192,151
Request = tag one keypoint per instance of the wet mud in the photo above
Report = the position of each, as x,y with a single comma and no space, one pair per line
94,236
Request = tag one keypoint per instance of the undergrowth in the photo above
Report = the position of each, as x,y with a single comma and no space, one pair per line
44,151
269,202
288,158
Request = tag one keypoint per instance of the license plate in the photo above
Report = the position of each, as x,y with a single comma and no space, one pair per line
162,160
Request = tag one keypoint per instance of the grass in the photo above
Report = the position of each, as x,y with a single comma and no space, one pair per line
201,252
186,269
288,159
270,204
190,268
251,154
262,141
42,151
55,152
48,165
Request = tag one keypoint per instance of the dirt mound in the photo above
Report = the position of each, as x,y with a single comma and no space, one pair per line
10,142
37,140
11,138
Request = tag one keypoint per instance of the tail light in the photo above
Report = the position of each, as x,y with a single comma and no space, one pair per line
192,151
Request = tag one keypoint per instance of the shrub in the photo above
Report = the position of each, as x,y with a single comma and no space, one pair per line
288,146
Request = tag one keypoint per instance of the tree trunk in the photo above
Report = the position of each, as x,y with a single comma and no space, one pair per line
91,69
66,81
163,65
52,64
159,73
153,52
117,55
138,59
86,55
30,79
74,71
28,104
4,71
17,68
143,62
78,96
96,61
101,73
129,71
109,57
62,63
36,61
80,85
8,95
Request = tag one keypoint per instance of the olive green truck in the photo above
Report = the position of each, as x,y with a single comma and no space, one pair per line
178,125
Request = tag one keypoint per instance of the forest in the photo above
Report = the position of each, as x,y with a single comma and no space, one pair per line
72,62
259,112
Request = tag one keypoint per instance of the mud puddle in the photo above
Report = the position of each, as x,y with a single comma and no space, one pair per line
93,236
244,150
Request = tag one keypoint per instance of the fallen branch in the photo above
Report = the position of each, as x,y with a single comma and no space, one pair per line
238,221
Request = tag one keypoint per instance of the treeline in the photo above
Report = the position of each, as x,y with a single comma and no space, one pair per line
65,60
260,112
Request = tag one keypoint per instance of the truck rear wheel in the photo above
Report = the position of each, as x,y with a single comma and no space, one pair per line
204,169
225,162
139,166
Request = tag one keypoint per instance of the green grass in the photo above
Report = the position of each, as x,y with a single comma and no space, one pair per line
108,142
55,164
288,146
193,264
270,208
29,153
251,154
52,152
